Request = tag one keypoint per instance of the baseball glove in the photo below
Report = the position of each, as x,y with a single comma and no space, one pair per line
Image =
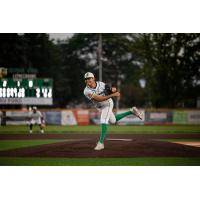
43,125
108,89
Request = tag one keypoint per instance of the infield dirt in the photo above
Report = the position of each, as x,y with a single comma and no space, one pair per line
82,146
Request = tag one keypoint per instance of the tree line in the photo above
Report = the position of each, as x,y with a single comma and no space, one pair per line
154,70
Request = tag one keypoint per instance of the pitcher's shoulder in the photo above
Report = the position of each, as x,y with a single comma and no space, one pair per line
86,90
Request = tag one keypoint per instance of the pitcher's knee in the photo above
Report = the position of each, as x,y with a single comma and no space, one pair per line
103,121
112,121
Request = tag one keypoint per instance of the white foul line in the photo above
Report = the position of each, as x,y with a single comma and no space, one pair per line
126,140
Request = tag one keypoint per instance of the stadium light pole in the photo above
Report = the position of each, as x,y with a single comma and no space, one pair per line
100,56
120,77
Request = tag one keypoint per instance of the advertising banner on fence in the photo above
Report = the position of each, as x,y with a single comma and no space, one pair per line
16,118
68,118
94,117
180,117
53,117
158,117
131,119
82,117
194,117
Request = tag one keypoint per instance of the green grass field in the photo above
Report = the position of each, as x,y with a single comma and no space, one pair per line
158,161
113,129
150,161
13,144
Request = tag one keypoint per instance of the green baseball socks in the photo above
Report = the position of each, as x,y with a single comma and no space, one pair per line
103,132
122,115
104,127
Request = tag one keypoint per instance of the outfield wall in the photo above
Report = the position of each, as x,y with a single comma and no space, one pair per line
86,117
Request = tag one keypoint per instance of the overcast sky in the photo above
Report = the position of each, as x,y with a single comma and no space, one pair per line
60,36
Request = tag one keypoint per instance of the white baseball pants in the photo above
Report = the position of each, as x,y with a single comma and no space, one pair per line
107,114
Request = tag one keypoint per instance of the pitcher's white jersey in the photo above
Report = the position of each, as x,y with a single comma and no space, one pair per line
99,90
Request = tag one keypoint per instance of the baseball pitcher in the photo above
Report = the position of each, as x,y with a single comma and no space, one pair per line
35,117
101,96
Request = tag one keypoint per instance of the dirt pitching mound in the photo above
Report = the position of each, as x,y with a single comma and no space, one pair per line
84,148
